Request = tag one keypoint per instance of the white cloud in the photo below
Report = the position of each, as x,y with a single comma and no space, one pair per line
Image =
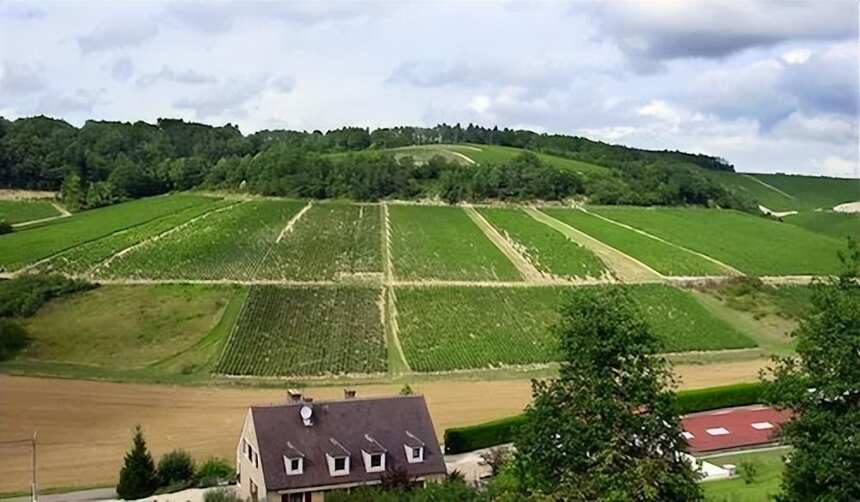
836,166
796,56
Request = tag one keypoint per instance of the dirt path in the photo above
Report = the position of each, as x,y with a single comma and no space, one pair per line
292,223
768,185
16,194
625,267
527,270
398,364
106,263
462,156
728,268
388,262
63,211
85,427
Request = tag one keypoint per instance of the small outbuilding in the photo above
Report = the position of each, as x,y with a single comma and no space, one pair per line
296,452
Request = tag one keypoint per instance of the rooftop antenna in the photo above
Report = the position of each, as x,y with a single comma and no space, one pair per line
307,412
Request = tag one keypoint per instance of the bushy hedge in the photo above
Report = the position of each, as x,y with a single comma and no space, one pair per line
24,295
473,437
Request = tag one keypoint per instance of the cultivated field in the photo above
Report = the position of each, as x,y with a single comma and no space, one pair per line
814,192
32,244
830,223
20,211
307,331
548,250
455,328
432,242
754,245
664,258
231,244
329,241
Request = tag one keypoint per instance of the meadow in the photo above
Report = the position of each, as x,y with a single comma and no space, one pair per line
814,192
548,250
662,257
330,241
754,188
436,242
830,223
753,244
306,331
451,328
231,244
32,244
20,211
764,486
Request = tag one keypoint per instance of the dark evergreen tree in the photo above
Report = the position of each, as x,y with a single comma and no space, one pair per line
138,477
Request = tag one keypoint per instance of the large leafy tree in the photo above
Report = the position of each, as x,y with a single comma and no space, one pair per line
821,387
605,429
138,477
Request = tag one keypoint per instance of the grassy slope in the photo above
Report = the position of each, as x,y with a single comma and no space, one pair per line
754,245
831,223
764,486
306,331
328,240
813,192
229,245
747,185
19,211
662,257
124,327
32,244
431,242
459,328
550,251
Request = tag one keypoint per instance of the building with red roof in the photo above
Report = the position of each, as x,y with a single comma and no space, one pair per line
731,428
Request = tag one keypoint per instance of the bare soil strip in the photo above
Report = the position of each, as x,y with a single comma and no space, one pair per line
154,238
91,422
15,194
462,156
388,263
625,268
768,185
527,270
725,266
64,213
292,223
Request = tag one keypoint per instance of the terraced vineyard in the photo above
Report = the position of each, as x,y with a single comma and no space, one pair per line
19,211
433,242
548,250
330,241
662,257
752,244
231,244
444,329
34,244
306,331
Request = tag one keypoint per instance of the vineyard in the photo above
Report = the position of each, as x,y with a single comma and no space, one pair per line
330,241
753,244
454,328
548,250
230,244
838,225
19,211
662,257
307,331
430,242
813,192
32,244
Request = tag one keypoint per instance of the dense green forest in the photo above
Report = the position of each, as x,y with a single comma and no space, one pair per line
104,162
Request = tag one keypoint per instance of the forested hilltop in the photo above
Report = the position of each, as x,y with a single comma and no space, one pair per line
104,162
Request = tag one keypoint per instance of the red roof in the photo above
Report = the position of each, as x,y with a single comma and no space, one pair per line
732,427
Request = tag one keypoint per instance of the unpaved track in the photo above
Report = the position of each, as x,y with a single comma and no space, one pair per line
85,427
64,213
527,270
625,267
728,268
768,185
292,223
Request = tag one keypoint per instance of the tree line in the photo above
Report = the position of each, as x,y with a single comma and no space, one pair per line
105,162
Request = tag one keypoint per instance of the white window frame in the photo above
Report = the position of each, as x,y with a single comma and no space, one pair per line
331,465
409,451
288,465
368,457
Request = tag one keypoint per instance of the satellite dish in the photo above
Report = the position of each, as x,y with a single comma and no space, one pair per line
306,412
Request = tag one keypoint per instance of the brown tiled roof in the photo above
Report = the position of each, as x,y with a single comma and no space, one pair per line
385,420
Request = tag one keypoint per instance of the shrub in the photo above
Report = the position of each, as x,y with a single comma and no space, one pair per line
221,495
13,339
213,472
473,437
137,478
748,471
24,295
176,469
5,227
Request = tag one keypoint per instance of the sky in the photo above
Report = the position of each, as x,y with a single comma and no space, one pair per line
771,86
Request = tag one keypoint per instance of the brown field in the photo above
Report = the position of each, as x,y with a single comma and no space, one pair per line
85,427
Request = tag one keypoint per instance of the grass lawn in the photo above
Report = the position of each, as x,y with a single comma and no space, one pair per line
813,192
752,187
764,485
19,211
838,225
753,244
125,327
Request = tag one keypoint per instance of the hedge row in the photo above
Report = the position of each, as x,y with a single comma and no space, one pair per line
484,435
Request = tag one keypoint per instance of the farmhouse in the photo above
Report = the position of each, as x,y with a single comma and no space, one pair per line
298,451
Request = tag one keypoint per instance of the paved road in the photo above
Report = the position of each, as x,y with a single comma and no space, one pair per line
80,496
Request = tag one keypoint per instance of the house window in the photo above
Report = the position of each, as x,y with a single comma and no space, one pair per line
417,453
376,460
293,465
340,464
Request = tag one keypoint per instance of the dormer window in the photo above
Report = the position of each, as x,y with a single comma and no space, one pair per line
376,460
414,449
417,454
338,466
373,454
294,465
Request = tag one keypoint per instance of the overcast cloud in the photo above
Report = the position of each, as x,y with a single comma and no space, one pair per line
769,85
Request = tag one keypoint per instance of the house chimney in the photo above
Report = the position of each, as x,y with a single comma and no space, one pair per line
348,393
308,399
295,396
